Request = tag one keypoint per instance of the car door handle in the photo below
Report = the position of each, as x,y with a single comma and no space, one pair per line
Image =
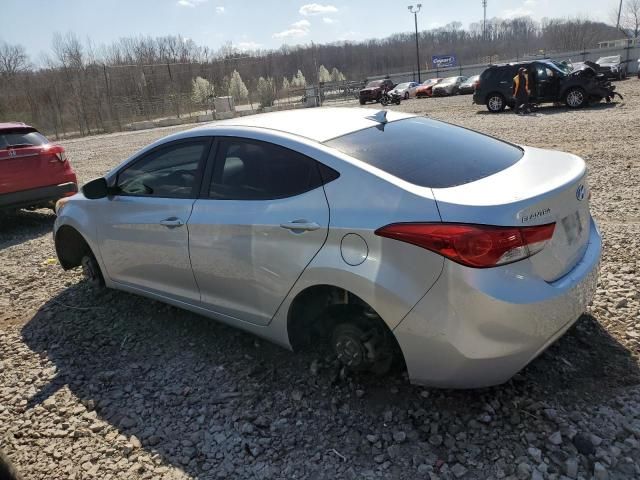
300,226
171,222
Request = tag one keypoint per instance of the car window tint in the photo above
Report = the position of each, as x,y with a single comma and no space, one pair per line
21,136
260,171
429,153
169,173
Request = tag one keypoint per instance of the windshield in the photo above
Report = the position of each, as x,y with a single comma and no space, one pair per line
449,80
564,66
429,153
613,59
470,80
375,83
402,86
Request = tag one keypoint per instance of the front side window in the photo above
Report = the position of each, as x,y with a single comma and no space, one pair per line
252,170
170,172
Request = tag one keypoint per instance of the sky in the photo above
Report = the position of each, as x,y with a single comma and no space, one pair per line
251,24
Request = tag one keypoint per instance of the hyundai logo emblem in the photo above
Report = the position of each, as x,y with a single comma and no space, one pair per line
12,153
580,193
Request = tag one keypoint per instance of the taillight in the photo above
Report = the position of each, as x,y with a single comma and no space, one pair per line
478,246
56,150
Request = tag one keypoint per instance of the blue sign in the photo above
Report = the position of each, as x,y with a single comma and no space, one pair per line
443,61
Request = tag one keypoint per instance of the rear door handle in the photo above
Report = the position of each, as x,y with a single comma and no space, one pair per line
298,226
171,222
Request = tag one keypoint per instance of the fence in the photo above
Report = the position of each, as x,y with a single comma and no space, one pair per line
629,55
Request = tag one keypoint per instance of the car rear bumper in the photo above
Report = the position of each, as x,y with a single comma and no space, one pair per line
478,327
41,196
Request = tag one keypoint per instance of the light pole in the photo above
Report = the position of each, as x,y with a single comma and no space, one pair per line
415,9
484,20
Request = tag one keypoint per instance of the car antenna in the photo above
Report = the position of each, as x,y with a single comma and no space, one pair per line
380,116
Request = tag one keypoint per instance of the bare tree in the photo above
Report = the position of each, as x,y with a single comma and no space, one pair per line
13,59
630,18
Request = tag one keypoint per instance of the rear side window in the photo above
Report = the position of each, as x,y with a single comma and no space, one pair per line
429,153
21,137
254,170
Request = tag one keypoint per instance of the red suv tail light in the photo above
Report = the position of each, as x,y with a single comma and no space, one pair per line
56,150
477,246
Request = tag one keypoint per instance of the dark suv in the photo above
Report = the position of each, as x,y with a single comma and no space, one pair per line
373,91
548,84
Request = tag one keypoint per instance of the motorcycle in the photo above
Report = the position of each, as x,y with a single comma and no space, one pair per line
390,98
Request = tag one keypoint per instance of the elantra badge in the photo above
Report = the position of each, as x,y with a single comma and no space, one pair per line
580,193
12,153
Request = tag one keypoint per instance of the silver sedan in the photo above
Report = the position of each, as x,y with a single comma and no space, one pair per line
389,236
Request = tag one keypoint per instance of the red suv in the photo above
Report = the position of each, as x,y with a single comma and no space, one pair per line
33,172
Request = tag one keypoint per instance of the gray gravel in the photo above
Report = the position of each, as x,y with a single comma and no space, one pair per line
108,385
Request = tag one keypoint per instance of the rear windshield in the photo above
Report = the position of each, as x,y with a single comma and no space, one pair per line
21,137
375,83
429,153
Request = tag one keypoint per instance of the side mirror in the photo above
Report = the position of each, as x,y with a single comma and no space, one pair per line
96,189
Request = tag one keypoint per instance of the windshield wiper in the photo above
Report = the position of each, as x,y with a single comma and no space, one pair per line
19,145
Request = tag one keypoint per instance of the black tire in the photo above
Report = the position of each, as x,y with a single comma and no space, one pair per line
406,96
362,102
496,102
575,97
91,271
362,344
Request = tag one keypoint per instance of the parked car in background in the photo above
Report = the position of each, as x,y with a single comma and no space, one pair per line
469,258
425,89
612,67
373,91
448,86
34,173
405,90
469,85
547,82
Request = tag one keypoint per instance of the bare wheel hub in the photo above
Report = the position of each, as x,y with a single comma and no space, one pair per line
350,350
90,270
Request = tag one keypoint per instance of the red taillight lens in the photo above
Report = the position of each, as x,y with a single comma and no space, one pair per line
478,246
56,150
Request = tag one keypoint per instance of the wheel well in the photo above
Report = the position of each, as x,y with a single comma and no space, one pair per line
310,313
70,247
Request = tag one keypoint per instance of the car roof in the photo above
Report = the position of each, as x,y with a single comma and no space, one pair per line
318,124
12,125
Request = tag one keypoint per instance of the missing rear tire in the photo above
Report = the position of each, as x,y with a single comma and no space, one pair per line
362,344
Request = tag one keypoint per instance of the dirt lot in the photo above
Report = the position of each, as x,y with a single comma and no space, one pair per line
112,386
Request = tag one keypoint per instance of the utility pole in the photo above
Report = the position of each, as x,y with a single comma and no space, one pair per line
619,14
484,20
415,9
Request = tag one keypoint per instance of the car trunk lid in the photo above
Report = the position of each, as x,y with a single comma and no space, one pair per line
543,187
23,168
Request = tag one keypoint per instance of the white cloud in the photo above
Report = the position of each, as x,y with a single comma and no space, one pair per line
516,12
328,20
530,3
291,32
302,24
246,46
351,35
220,10
190,3
316,9
297,29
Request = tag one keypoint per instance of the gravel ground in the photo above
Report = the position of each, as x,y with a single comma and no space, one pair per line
108,385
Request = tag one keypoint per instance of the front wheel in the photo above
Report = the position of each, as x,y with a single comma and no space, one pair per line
91,271
575,97
362,102
496,103
406,95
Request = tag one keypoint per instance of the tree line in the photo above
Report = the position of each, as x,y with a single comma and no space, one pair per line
83,88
